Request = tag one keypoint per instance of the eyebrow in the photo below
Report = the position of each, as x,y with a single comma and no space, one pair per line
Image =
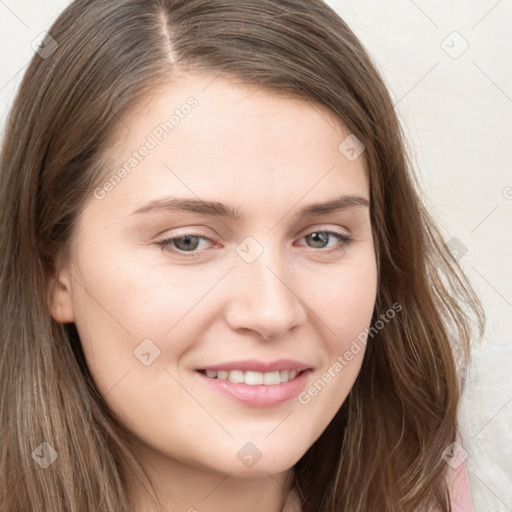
216,209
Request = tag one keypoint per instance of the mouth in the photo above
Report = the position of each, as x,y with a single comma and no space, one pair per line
253,378
267,385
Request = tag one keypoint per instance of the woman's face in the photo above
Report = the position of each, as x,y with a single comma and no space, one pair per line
214,243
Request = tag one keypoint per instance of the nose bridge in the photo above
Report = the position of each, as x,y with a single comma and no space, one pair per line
263,293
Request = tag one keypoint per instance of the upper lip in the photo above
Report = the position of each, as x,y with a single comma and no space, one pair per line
259,366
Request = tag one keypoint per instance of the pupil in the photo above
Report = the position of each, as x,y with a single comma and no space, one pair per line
191,242
320,238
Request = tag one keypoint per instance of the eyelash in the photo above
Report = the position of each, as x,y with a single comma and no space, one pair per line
165,245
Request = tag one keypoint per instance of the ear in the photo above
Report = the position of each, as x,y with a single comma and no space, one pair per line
61,297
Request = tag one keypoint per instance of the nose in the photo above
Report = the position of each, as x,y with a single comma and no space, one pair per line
264,297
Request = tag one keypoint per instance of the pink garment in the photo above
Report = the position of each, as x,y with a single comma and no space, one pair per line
457,477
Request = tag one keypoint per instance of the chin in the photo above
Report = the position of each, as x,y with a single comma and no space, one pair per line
259,459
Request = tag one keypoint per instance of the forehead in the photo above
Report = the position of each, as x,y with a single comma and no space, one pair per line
212,138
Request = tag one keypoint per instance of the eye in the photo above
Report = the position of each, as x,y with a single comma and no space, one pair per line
319,240
189,244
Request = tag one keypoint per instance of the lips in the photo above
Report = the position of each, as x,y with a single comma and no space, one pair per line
257,383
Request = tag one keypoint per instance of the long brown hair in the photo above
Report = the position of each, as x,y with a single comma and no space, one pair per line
382,451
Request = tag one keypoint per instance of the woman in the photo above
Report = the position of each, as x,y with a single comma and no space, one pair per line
220,287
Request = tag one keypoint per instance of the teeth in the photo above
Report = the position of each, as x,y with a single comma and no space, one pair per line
253,378
222,375
236,376
271,378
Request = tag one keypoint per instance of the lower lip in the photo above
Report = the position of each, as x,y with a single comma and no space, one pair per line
260,395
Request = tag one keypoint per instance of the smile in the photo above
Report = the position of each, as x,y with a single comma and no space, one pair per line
253,388
253,378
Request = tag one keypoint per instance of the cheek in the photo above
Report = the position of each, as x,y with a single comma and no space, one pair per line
125,310
147,296
345,306
345,301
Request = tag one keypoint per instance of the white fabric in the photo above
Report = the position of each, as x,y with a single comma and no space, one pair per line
485,423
